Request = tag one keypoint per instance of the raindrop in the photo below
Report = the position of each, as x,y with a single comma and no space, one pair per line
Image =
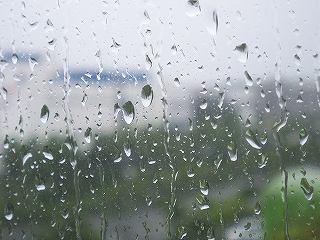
148,62
252,139
146,95
249,81
194,8
232,151
203,104
6,142
215,21
204,187
203,202
176,82
116,110
14,58
128,112
32,63
127,149
9,211
257,208
182,233
40,186
210,234
47,155
242,50
26,158
307,188
44,115
303,136
87,135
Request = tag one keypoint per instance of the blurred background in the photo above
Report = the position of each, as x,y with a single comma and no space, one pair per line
186,119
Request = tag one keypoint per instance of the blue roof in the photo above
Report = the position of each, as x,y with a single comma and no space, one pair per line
22,56
82,76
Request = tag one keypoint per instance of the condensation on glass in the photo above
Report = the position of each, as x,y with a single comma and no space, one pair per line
189,119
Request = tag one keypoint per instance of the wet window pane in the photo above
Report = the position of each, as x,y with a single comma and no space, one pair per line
189,119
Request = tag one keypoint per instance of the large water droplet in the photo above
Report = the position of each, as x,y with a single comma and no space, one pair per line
146,95
252,139
127,149
204,202
9,211
87,135
128,112
303,136
44,115
242,50
232,151
26,158
194,8
204,187
307,188
249,81
47,155
14,58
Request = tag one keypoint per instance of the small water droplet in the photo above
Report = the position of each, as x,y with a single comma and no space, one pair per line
14,58
176,82
257,208
146,95
44,115
128,112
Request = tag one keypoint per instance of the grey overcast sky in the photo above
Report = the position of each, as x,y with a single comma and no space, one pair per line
271,29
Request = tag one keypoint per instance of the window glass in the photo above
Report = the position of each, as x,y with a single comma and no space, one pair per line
187,119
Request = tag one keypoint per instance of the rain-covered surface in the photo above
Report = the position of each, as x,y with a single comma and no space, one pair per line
172,119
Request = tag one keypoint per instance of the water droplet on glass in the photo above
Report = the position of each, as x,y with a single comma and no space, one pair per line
252,139
194,8
148,62
14,58
203,104
307,188
128,112
47,155
257,208
210,234
303,136
127,149
232,151
146,95
249,81
26,158
242,51
204,187
117,109
44,115
9,211
87,135
204,202
176,82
